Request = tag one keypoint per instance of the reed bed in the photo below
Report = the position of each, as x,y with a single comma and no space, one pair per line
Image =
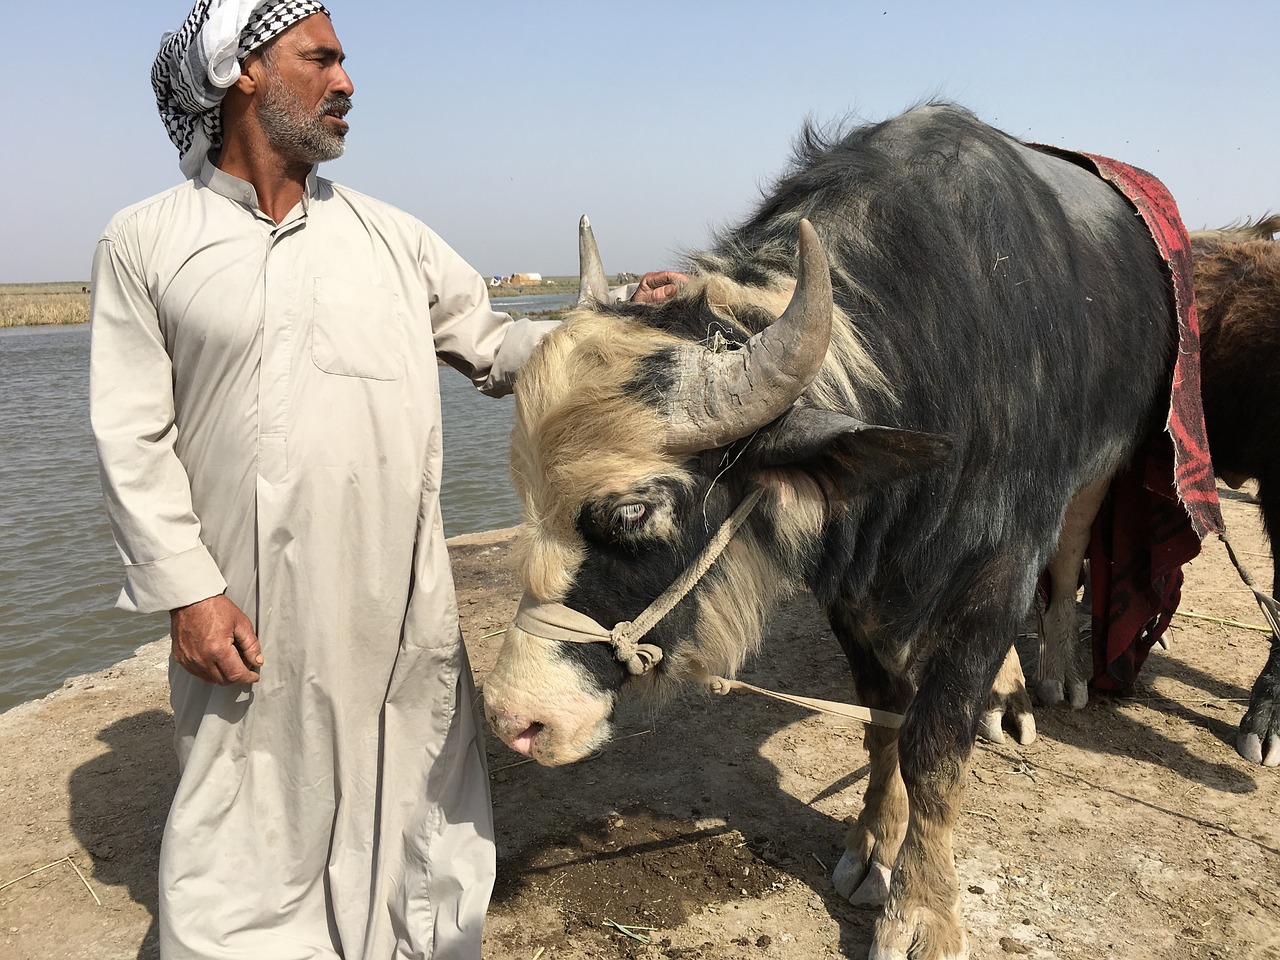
32,304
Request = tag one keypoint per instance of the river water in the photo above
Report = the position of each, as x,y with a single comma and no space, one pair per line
59,569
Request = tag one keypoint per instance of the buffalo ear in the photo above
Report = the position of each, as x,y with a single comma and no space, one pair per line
853,455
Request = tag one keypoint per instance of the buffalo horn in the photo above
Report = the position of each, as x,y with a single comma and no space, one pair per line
592,286
723,395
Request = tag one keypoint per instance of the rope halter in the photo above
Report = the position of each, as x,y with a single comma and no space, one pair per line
555,621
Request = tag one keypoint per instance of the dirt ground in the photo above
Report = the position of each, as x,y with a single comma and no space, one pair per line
1128,830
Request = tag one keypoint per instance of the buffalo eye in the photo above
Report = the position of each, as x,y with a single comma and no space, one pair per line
627,516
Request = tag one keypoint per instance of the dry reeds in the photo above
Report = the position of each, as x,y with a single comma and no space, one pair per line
32,304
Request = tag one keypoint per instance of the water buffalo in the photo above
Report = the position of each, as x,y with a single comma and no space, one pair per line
885,386
1237,287
1237,279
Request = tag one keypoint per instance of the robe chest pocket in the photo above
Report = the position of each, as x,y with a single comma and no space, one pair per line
357,330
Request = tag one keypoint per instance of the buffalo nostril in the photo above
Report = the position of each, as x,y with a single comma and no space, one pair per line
523,741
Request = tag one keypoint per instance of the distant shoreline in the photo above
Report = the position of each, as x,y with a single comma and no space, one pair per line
65,303
44,304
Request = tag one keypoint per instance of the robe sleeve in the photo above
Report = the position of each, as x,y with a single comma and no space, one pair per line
470,336
131,409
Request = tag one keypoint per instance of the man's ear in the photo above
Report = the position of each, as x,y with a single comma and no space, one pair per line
854,456
250,74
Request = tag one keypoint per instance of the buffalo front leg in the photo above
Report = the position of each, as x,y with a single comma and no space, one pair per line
873,840
1259,737
871,846
921,918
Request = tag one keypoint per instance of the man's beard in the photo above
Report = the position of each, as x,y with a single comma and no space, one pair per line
296,132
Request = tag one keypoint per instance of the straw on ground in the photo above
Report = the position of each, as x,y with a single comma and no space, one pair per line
50,866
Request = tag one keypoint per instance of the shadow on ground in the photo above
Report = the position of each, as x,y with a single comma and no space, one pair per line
119,802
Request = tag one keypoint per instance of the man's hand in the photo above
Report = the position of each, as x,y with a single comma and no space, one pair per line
656,287
214,640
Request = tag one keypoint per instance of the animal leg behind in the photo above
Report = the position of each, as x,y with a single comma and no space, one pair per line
871,845
1259,737
1009,704
1061,670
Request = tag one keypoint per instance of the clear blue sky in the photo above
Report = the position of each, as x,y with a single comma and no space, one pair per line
498,124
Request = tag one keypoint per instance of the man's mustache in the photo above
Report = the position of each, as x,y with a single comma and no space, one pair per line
339,104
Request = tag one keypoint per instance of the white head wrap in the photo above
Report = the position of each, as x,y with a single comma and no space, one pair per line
201,59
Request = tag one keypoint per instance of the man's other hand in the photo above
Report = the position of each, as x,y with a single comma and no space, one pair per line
215,641
656,287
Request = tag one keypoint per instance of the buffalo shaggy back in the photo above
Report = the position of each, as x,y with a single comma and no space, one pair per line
997,338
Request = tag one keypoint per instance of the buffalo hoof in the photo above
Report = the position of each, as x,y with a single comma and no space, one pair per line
874,889
1259,738
1008,705
1077,694
1050,693
1022,724
1250,746
847,874
919,933
862,885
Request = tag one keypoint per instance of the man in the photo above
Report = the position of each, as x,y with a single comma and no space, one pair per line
265,400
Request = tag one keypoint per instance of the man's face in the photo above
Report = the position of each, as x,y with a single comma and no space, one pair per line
305,92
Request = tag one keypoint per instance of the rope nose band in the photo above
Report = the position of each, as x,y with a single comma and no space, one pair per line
555,621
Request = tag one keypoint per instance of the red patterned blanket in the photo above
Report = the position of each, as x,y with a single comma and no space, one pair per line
1166,501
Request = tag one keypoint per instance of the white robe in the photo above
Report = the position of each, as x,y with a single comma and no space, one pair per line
266,406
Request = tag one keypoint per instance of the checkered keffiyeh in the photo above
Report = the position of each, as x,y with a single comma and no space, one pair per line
201,59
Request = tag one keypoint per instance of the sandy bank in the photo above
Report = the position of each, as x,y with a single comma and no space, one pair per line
1127,830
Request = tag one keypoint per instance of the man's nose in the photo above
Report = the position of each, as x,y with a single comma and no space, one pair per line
344,85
